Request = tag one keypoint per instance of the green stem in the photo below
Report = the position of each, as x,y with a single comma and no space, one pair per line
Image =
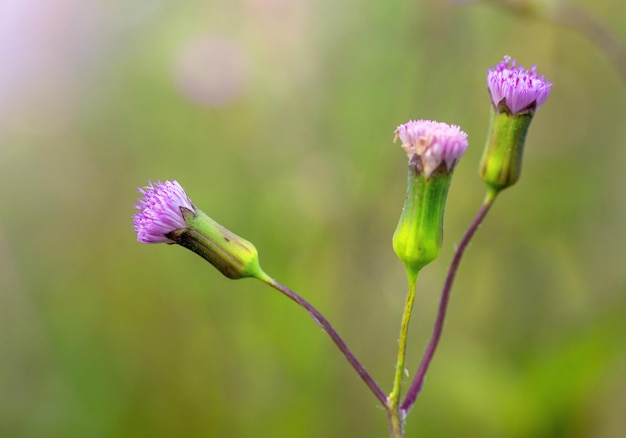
396,419
395,423
404,331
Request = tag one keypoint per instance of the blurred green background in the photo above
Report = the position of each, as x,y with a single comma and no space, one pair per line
277,116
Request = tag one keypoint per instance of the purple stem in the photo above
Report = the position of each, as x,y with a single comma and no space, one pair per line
328,328
418,382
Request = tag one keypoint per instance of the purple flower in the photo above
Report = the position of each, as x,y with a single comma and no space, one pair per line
521,90
159,211
435,143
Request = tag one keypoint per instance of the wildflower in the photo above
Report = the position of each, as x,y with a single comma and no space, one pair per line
433,149
167,215
516,94
515,89
435,144
159,211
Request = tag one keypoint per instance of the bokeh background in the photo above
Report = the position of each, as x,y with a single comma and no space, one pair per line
277,116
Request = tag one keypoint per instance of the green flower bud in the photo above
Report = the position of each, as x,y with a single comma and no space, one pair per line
232,255
419,233
501,163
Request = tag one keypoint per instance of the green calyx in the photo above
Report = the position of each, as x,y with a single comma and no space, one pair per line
501,163
232,255
419,233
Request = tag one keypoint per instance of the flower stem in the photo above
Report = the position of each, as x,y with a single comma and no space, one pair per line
329,329
395,423
418,381
393,401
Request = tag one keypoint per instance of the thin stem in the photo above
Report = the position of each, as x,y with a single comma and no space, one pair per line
395,418
395,423
404,331
328,328
418,382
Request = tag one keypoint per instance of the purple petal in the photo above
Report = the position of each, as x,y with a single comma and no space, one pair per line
434,142
518,87
159,211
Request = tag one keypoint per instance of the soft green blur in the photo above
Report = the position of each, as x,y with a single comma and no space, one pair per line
277,116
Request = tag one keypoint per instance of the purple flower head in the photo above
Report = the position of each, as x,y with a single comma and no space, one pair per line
159,211
522,91
435,143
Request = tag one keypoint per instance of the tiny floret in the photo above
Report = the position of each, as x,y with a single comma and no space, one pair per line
517,89
160,211
437,144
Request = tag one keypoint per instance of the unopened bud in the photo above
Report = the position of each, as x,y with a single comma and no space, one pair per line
232,255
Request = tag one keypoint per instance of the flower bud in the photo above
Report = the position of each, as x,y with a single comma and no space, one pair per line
516,94
167,215
433,149
232,255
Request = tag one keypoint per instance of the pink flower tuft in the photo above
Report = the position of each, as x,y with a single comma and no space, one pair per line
159,211
436,143
522,90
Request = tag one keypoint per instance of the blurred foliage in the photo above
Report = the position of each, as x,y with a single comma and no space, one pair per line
277,117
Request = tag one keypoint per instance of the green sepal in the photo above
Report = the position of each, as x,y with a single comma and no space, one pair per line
501,163
232,255
419,233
